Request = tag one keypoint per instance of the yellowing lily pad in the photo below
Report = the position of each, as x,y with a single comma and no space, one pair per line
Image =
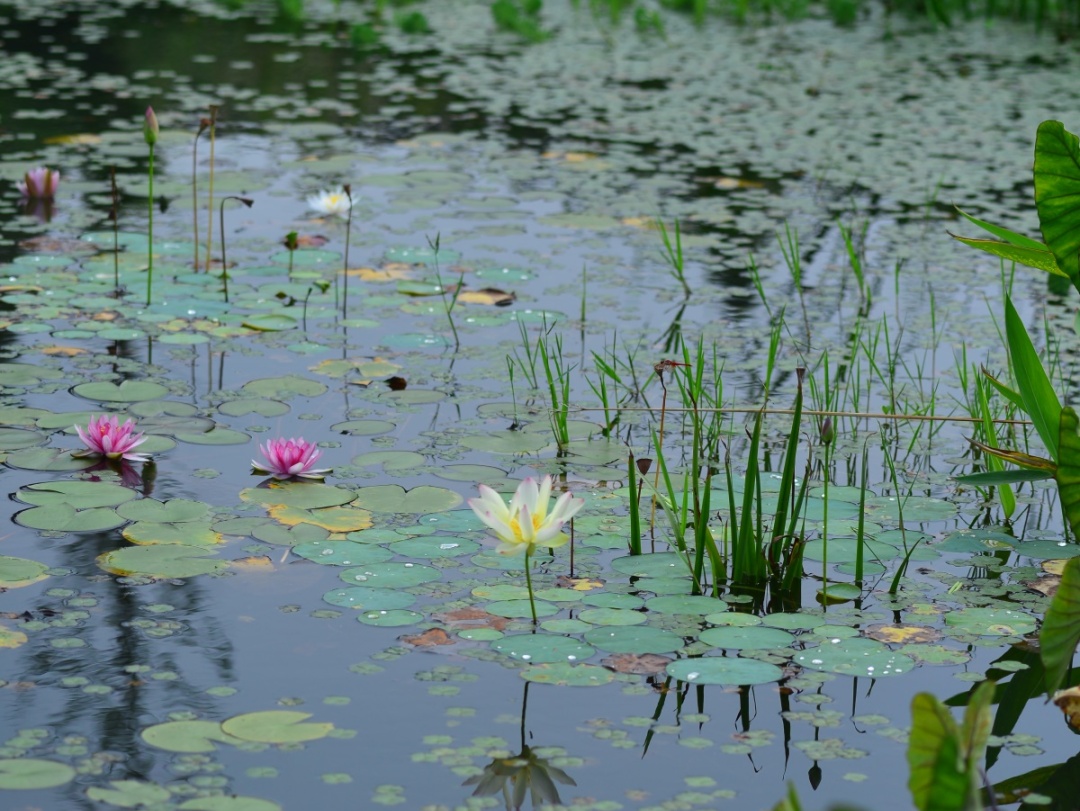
18,572
129,793
275,726
10,638
192,533
160,560
335,519
305,495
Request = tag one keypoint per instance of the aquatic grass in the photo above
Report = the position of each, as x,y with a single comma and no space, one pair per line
557,375
114,216
532,354
347,188
855,260
221,214
448,303
150,135
789,249
203,124
673,254
212,126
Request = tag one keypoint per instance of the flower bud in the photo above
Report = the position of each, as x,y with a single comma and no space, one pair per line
828,431
150,127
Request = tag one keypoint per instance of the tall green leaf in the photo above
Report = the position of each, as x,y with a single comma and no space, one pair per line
1060,631
1040,400
1067,474
1039,258
937,778
1057,194
1011,237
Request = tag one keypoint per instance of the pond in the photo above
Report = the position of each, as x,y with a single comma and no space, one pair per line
498,303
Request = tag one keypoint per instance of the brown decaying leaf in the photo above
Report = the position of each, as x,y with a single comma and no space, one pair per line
255,563
487,295
578,583
1046,585
639,664
1068,701
465,618
311,241
63,351
903,634
430,638
58,245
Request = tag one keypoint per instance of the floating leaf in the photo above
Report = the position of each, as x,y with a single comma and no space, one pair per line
33,773
855,657
342,553
77,494
636,639
275,726
18,572
228,802
542,648
63,518
991,621
304,495
754,637
390,575
367,598
129,793
271,322
334,519
172,511
284,387
129,391
568,675
724,670
160,560
10,638
392,498
192,533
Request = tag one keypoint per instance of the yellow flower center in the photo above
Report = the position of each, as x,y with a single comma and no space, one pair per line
516,527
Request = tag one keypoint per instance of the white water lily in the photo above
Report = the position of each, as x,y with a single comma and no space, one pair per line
527,522
330,201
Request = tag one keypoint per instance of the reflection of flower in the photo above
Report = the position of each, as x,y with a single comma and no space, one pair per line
331,201
527,523
39,183
519,775
106,436
285,458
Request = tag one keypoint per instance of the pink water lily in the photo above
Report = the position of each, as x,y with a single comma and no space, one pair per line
40,183
285,458
106,436
527,522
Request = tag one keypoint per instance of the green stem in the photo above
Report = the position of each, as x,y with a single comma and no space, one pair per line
528,582
150,229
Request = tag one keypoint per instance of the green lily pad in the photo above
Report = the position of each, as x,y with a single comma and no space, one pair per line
129,793
253,405
389,617
515,442
635,639
174,510
33,773
856,656
746,637
47,459
215,436
390,575
390,460
520,609
367,598
290,536
392,498
977,541
541,648
451,521
568,675
284,387
305,495
844,550
129,391
342,553
26,374
13,439
991,621
363,427
187,736
229,802
612,616
439,546
18,572
689,604
64,518
915,508
275,726
724,670
76,494
160,560
271,322
657,564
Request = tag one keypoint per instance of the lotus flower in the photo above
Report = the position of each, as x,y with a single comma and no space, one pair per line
286,458
39,184
106,436
331,201
527,523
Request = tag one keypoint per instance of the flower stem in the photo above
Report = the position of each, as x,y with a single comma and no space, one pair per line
150,230
528,582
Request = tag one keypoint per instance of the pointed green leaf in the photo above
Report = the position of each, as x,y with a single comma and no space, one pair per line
1037,463
1068,472
1060,632
937,779
1006,392
976,728
999,477
1040,399
1011,237
1038,258
1057,194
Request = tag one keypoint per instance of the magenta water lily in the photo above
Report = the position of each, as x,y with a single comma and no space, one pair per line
288,458
39,183
106,436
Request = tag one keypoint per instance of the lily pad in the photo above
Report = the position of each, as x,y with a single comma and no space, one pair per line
228,802
855,656
724,670
635,639
284,387
305,495
991,621
568,675
47,459
129,391
392,498
191,533
334,519
367,598
542,648
172,511
18,572
438,546
160,560
188,736
79,495
753,637
390,575
342,553
657,564
275,726
63,518
129,794
33,773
